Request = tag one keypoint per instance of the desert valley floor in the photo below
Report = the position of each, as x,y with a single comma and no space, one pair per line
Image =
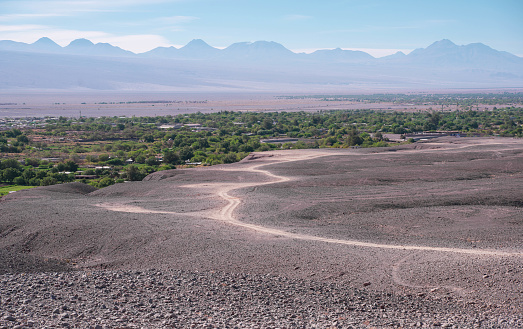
422,235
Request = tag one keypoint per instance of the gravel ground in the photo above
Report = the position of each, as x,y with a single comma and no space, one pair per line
178,299
74,256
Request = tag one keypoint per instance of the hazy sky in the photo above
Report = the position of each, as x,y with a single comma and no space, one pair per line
379,27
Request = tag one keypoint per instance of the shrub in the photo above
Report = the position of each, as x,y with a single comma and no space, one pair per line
48,181
230,158
32,162
133,174
19,180
103,157
152,161
115,162
104,182
10,163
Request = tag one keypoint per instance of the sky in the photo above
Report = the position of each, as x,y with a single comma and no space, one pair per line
379,27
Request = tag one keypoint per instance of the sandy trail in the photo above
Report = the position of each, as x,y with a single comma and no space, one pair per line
226,214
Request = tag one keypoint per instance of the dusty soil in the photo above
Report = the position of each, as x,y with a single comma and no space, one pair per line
428,234
125,104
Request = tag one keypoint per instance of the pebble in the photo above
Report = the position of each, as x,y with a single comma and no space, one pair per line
183,299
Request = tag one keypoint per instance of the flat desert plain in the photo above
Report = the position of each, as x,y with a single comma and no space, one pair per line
163,104
422,235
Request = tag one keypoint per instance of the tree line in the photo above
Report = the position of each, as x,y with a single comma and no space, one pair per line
115,149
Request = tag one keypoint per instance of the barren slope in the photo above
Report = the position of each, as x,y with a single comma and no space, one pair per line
436,220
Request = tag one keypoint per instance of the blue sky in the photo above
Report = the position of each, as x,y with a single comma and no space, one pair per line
379,27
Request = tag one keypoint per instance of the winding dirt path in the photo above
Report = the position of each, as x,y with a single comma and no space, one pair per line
226,213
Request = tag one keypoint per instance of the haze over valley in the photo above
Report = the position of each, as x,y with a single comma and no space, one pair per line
251,67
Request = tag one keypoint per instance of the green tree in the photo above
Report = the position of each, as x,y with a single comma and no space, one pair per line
13,133
132,173
115,162
71,166
28,174
103,157
48,181
186,153
230,158
32,162
22,139
10,163
152,161
104,182
91,158
9,174
353,138
148,138
171,157
140,158
267,124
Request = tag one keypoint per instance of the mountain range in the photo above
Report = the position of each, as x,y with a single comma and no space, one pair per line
251,66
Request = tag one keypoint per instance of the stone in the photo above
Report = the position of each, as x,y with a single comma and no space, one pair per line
10,318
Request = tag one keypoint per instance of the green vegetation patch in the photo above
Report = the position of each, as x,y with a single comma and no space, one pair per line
108,150
12,188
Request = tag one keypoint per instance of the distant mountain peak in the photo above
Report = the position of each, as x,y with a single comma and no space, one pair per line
267,43
45,41
396,56
87,48
445,43
258,48
80,43
260,65
438,48
270,46
195,49
45,44
197,43
342,55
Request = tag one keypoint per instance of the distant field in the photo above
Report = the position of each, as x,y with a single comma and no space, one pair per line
98,104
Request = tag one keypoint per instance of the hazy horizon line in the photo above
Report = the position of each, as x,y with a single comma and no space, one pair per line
374,52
